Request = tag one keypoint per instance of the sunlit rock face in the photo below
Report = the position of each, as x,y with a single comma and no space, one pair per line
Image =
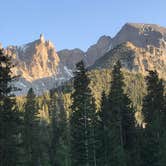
41,67
35,60
148,43
141,35
135,59
139,47
37,63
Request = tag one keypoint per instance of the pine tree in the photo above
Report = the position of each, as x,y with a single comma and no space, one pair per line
59,131
102,133
55,132
152,111
10,118
64,140
31,130
82,121
43,132
122,122
162,145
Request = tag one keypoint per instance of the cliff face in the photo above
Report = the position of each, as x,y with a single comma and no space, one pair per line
37,63
139,47
97,50
135,59
35,60
41,67
141,35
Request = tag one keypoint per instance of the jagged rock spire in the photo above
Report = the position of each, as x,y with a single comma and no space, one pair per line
42,38
1,46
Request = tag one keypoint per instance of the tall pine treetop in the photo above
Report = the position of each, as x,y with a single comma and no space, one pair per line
153,101
82,120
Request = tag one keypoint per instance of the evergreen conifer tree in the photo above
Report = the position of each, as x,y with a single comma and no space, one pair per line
55,132
121,121
152,111
59,140
102,133
63,125
162,146
82,121
31,130
10,118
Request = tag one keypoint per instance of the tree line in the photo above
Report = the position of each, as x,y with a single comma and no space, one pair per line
85,137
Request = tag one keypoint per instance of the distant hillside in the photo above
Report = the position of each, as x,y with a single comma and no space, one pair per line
135,59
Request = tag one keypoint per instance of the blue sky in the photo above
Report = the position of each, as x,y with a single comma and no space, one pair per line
73,23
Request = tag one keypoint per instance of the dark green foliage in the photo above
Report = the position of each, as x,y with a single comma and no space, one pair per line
122,123
10,118
31,130
102,133
64,141
134,87
82,121
55,133
59,141
153,101
153,113
43,103
162,146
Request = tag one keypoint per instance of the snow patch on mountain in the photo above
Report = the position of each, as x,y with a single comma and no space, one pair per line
68,71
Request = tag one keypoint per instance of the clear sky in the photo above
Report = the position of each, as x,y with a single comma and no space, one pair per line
73,23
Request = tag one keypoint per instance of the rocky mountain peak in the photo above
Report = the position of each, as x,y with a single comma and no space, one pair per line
103,39
35,60
139,47
42,38
1,46
148,27
142,35
97,50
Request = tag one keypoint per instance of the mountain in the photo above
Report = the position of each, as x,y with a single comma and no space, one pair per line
135,59
70,57
141,35
145,36
35,60
139,47
97,50
38,64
